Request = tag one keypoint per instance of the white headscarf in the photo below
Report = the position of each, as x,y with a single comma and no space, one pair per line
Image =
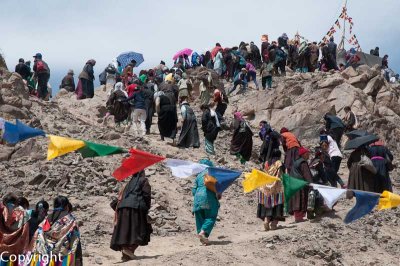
119,86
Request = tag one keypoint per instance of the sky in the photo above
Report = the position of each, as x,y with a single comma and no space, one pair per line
69,32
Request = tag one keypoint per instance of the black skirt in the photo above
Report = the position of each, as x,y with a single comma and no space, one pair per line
275,213
132,229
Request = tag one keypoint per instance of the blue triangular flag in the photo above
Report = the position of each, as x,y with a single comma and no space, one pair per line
224,177
19,132
10,133
365,203
26,132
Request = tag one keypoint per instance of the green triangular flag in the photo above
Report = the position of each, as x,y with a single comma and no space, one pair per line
93,149
290,186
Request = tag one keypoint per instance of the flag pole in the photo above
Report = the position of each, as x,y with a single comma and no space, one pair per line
341,45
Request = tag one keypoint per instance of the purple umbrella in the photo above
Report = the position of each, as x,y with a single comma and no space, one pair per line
186,51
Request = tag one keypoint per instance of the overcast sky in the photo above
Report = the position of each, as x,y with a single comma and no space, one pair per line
69,32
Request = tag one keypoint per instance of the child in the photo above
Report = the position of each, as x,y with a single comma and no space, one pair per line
266,75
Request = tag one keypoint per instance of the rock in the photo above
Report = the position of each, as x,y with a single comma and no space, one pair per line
5,153
374,85
368,71
12,112
111,136
37,180
349,72
359,81
61,93
330,82
98,260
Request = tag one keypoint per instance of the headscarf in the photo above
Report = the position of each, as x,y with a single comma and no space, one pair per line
218,97
206,162
238,116
158,94
284,129
143,78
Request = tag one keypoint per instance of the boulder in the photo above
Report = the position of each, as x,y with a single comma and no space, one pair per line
330,82
370,72
12,112
374,85
349,72
359,81
5,153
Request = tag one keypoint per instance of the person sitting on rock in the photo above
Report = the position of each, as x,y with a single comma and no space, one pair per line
68,82
350,120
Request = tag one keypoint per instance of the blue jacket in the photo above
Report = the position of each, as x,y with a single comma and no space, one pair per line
137,100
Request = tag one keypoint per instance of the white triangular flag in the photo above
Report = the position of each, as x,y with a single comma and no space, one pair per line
330,194
184,169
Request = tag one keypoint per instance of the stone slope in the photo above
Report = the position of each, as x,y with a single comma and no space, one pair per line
299,100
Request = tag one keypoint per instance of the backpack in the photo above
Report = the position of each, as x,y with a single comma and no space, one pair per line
40,66
210,183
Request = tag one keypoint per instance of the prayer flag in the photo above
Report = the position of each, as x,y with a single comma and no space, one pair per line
388,200
224,177
19,132
330,194
291,185
184,169
59,146
337,23
365,202
93,150
257,179
138,161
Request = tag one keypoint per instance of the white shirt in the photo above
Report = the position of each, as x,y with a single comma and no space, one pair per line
333,148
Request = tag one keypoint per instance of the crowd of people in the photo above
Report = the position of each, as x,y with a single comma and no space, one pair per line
134,99
40,235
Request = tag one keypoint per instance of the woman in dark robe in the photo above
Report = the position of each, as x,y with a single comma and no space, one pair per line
382,159
242,139
149,101
131,227
301,170
116,104
85,88
167,116
360,177
270,142
189,134
210,126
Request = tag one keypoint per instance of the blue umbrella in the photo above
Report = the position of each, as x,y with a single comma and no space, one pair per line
126,58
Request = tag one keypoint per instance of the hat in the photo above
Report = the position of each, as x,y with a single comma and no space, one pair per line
21,60
284,129
38,55
70,72
303,151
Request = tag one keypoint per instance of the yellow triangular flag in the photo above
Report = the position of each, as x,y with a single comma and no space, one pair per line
59,146
388,200
257,179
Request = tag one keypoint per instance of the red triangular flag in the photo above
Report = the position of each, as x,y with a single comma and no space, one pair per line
138,161
46,226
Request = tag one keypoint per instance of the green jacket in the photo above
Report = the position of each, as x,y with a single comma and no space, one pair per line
203,198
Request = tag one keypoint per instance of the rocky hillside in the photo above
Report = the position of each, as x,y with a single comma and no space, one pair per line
297,102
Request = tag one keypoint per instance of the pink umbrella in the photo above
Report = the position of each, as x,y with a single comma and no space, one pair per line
186,51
